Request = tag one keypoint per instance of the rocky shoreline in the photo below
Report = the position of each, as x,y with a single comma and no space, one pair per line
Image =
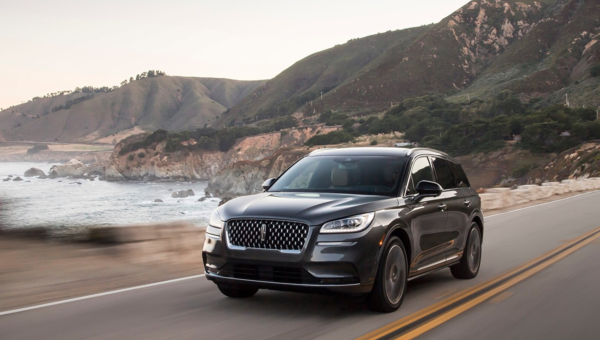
243,169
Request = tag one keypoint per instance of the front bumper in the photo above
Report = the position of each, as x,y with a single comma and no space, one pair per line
344,263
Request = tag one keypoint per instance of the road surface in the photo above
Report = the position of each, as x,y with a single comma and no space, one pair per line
558,302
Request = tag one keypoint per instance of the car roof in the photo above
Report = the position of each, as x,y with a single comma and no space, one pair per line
377,151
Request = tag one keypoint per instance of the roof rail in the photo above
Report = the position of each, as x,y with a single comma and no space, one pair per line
424,149
319,150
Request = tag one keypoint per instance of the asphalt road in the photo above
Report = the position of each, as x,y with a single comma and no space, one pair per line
561,301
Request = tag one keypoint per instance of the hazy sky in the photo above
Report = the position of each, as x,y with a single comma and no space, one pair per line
47,46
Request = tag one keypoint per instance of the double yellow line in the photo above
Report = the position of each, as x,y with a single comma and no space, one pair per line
425,320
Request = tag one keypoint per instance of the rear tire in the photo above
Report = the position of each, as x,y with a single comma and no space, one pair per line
468,267
237,291
391,281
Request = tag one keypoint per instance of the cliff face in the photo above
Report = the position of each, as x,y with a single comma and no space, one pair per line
246,177
233,172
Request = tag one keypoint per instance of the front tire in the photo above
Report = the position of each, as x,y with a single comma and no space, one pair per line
237,291
391,281
468,267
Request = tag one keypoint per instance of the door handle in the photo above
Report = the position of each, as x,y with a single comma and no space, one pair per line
442,207
467,203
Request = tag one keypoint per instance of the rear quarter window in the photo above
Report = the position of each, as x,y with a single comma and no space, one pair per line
459,176
445,177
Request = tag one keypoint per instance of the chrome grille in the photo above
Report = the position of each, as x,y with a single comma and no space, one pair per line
267,234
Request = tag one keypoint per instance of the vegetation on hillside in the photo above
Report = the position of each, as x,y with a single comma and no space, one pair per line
483,126
204,138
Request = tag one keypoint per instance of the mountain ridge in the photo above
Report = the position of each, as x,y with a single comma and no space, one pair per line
166,102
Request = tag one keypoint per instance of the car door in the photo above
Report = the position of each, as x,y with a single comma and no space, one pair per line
457,212
427,221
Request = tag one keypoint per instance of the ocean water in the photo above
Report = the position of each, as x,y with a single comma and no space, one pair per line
59,203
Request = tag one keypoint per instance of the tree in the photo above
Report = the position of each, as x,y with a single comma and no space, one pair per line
124,82
131,79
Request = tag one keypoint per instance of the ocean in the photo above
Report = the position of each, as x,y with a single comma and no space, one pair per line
62,203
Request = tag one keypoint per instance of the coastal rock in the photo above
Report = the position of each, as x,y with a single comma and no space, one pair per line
6,180
202,199
188,165
246,178
17,179
225,200
73,168
34,172
190,192
158,200
112,175
98,169
182,194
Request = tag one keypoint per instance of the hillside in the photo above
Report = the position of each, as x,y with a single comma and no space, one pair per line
556,53
173,103
319,72
533,48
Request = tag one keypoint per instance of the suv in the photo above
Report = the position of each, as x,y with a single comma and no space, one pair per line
355,220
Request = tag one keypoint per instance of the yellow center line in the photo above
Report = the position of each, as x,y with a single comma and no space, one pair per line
427,317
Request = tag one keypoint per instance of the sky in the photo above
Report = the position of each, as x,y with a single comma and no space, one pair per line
48,46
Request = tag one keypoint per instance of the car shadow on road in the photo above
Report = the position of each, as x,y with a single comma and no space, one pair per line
278,304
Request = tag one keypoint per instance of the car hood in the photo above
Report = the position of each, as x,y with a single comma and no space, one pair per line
311,208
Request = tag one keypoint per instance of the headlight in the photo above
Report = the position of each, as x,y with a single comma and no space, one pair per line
350,224
215,220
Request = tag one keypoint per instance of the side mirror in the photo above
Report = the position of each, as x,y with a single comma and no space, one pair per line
267,184
427,189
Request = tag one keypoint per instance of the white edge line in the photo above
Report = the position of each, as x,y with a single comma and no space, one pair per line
539,205
14,311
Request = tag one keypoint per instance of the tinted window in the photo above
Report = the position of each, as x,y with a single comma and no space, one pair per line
351,174
445,178
421,171
459,176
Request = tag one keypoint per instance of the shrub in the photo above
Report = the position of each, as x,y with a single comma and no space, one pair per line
37,148
595,70
374,142
141,155
334,137
131,157
522,170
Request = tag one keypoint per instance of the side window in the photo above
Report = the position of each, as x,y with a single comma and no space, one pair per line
421,171
459,176
445,178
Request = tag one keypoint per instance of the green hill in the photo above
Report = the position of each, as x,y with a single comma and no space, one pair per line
173,103
319,72
532,48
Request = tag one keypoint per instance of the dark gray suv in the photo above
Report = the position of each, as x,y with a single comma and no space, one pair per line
355,220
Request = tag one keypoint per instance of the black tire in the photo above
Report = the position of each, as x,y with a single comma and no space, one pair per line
237,291
469,264
391,280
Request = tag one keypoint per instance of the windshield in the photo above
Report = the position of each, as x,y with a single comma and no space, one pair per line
351,174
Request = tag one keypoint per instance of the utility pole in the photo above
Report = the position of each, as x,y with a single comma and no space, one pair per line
567,99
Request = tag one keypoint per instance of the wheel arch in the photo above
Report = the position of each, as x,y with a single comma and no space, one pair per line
479,220
398,230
